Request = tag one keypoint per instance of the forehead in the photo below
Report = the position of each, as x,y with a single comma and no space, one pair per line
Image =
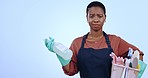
95,10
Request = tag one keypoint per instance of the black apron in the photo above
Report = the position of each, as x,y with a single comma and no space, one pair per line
95,63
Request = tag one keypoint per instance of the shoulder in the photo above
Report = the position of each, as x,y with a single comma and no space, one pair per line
77,40
114,37
76,44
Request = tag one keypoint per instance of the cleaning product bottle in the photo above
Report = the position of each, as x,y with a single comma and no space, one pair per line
58,48
62,50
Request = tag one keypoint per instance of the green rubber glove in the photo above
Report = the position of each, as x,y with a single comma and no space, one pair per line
63,61
49,44
142,68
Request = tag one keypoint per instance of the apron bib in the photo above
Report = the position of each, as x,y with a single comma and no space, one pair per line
95,63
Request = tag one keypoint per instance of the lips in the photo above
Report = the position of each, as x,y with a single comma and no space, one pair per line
95,25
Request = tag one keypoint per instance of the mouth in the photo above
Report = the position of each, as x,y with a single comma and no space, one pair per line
95,25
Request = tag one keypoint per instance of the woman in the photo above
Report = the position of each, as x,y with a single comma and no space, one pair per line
91,52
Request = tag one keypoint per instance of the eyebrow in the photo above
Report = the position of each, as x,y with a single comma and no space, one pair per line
95,14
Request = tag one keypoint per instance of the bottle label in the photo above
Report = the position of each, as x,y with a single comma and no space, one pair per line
61,47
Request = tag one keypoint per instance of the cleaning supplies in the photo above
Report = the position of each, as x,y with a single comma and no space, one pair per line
63,53
133,67
58,48
130,53
135,54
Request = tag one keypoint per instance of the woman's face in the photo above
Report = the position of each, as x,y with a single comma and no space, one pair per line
96,18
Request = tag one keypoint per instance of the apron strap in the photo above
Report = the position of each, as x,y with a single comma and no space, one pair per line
84,39
106,38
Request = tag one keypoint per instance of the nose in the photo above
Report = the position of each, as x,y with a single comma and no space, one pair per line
96,19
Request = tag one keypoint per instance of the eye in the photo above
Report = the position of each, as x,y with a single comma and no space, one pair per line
100,16
91,15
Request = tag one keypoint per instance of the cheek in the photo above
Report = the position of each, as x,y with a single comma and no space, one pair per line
104,20
89,20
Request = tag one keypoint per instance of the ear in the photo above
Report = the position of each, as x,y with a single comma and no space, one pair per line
87,17
105,18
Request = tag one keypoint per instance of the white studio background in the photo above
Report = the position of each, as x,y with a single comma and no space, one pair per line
24,24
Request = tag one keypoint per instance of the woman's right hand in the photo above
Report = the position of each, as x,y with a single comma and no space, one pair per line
49,44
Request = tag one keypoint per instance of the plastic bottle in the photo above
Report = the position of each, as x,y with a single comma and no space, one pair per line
130,53
62,51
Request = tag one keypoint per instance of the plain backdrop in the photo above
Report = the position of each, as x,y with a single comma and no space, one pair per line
24,24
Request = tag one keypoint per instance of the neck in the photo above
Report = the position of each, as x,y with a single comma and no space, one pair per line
96,34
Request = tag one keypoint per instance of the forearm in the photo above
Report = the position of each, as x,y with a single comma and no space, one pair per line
70,69
141,57
66,68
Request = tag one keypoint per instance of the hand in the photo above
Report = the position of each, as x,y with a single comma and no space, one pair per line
49,44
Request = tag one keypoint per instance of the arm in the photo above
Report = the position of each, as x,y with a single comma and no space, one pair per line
70,65
71,68
124,46
141,57
66,68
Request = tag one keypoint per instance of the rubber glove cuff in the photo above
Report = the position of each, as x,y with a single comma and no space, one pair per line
62,61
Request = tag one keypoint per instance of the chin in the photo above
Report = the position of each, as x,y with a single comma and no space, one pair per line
96,30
